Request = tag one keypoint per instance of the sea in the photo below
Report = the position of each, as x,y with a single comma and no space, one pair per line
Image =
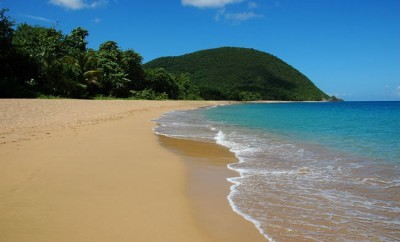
322,171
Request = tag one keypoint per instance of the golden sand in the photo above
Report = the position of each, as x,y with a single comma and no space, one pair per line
79,170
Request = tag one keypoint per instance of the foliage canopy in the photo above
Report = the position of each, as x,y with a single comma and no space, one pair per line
37,61
241,74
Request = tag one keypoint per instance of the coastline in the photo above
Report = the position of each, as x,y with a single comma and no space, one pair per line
208,189
79,170
296,179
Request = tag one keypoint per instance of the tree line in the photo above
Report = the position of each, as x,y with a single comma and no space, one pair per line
37,61
232,73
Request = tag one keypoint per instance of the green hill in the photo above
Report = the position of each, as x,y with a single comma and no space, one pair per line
241,74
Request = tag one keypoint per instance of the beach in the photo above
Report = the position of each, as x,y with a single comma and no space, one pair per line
88,170
304,178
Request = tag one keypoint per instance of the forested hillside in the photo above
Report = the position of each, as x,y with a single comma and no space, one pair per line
38,61
241,74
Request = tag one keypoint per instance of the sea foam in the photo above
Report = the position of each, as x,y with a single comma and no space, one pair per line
296,181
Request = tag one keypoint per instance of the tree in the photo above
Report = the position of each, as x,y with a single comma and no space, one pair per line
43,46
6,51
75,43
36,60
114,81
6,48
187,90
91,72
78,63
132,66
161,81
249,96
13,81
60,59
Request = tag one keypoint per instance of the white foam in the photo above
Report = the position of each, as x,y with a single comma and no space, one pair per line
304,170
216,105
257,223
292,169
220,139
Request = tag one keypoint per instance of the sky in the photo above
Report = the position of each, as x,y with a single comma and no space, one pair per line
348,48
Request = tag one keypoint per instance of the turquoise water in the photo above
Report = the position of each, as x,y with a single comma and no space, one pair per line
370,129
307,171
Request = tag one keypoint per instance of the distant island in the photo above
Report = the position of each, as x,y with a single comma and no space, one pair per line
43,62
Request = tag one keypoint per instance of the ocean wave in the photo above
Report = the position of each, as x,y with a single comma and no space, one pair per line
327,190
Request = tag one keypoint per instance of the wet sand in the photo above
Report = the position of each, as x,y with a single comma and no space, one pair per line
79,170
208,189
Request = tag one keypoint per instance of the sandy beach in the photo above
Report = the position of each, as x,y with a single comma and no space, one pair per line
80,170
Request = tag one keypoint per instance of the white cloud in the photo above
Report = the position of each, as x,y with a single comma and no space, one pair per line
252,5
220,14
97,20
236,17
243,16
397,91
38,18
78,4
208,3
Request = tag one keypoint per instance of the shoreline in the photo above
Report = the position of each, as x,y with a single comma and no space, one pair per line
79,170
208,188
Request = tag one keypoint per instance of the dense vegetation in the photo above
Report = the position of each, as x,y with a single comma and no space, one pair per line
241,74
40,61
37,61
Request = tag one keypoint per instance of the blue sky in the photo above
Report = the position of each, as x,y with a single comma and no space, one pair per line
348,48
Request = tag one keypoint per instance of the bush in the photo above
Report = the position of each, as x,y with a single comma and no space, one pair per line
249,96
148,94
